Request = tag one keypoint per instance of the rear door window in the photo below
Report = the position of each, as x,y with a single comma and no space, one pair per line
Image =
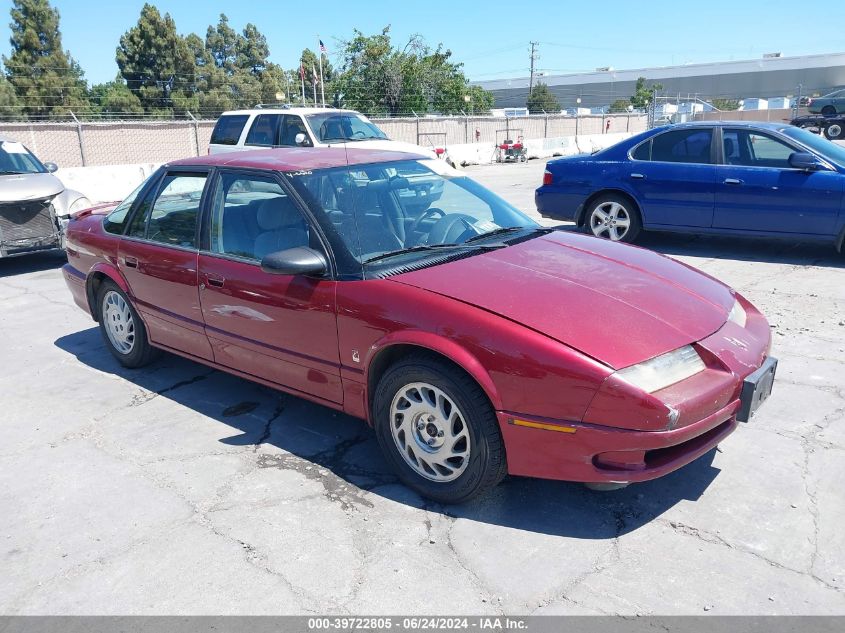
683,146
172,217
228,129
264,131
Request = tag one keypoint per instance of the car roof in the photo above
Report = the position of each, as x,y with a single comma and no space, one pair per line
284,110
769,125
298,158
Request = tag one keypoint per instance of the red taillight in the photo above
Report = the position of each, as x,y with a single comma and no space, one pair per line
439,151
547,177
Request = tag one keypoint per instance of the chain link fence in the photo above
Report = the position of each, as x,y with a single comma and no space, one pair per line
94,143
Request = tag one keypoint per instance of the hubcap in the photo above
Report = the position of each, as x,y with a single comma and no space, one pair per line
430,432
120,326
610,219
834,131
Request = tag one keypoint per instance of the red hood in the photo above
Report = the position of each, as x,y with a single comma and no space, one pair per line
618,304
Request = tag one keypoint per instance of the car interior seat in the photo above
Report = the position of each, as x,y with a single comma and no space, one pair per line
281,225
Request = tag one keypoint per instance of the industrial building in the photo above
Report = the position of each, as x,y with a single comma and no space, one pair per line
771,76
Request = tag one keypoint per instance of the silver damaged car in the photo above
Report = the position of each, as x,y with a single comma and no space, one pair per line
34,204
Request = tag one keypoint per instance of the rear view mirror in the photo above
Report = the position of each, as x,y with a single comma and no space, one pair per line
805,161
51,167
295,261
302,140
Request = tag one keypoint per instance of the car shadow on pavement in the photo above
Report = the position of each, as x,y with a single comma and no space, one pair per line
32,263
774,251
341,452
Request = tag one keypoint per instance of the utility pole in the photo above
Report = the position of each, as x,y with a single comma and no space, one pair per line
534,57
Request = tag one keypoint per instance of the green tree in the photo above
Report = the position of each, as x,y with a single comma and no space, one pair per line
378,78
157,64
10,107
644,94
725,104
47,80
541,99
311,67
115,99
620,105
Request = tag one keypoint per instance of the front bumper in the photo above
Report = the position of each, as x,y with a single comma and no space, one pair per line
577,455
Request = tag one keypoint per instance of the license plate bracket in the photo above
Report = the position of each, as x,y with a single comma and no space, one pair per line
756,388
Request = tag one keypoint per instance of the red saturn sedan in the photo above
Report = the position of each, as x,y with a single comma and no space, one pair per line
476,342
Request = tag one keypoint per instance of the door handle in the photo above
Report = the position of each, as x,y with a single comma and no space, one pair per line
733,181
638,176
130,262
215,280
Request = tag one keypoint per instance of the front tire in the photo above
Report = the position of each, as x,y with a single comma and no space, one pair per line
122,329
438,430
613,217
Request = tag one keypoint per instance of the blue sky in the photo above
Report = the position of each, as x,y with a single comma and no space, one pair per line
491,38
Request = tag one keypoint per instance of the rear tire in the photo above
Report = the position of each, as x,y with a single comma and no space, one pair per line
833,131
828,110
122,329
613,217
438,430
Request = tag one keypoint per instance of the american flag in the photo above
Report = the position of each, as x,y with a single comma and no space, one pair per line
322,47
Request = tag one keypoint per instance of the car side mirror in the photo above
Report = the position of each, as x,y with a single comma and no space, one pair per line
302,140
51,167
295,261
805,161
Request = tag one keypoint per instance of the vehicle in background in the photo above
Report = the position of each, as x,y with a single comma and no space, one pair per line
833,103
731,178
34,204
831,127
302,127
476,342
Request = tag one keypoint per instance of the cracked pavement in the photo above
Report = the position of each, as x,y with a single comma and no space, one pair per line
176,489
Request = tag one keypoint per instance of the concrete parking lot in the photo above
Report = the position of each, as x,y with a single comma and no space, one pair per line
176,489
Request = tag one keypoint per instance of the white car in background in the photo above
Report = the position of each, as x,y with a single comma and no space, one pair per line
34,205
302,127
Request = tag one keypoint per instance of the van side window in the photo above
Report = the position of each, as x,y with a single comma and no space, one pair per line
228,129
264,131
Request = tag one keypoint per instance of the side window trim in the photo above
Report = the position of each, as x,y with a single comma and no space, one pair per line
165,172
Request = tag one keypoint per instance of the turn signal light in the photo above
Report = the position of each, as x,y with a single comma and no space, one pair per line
547,177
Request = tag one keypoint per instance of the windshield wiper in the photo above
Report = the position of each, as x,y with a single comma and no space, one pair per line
429,247
14,173
508,229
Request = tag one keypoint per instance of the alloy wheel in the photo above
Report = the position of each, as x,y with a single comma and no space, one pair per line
120,326
430,432
610,219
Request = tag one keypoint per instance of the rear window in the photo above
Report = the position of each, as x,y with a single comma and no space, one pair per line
228,129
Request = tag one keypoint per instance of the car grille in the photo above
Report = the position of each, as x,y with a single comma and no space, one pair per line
23,222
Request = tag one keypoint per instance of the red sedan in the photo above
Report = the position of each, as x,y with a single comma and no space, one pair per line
474,341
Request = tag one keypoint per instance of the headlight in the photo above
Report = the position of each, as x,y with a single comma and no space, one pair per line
79,205
667,369
738,315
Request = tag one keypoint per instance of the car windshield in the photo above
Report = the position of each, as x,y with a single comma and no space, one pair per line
343,126
16,159
407,209
828,149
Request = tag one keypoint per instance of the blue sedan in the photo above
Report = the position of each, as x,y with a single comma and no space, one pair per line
728,178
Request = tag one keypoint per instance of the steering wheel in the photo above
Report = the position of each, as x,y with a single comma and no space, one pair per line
450,228
427,214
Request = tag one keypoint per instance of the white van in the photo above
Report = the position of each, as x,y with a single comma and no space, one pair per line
301,127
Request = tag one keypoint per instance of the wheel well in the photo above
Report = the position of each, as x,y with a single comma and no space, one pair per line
91,290
395,353
616,192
